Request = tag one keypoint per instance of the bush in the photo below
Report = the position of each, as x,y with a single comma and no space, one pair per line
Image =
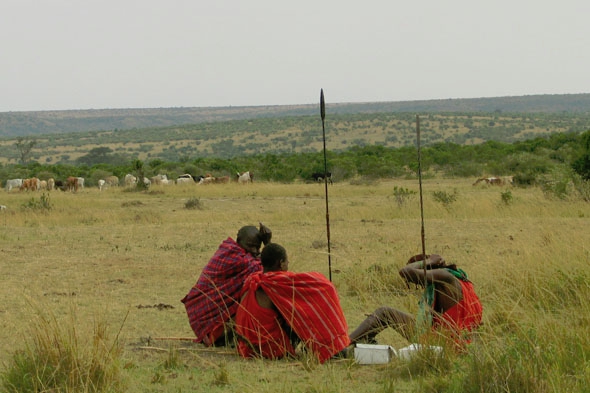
506,197
43,204
445,198
402,195
193,203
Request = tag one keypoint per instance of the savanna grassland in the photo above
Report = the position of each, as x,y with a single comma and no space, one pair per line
123,260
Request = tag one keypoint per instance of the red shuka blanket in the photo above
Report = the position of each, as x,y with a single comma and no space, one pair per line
309,304
260,330
463,317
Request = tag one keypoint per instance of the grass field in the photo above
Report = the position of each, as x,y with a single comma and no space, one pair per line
123,260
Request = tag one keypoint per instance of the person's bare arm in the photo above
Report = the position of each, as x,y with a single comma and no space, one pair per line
263,299
447,287
414,272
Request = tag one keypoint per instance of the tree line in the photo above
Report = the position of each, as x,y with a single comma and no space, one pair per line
559,157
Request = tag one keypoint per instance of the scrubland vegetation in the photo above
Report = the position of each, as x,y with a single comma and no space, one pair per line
92,280
92,283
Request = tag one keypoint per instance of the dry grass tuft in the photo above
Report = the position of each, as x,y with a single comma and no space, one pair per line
58,357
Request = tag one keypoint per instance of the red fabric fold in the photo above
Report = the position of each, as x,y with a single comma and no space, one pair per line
310,305
260,330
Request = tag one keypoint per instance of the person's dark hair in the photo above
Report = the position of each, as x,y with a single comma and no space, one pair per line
248,233
272,254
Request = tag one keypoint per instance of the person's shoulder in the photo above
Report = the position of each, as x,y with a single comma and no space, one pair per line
443,275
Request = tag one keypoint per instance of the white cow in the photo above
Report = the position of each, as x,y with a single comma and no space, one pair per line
102,184
80,183
13,183
160,180
2,207
112,181
185,179
245,177
130,180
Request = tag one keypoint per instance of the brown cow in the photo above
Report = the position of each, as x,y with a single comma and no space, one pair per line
72,184
221,180
31,184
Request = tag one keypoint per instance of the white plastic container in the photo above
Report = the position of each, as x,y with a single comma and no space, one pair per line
373,353
406,353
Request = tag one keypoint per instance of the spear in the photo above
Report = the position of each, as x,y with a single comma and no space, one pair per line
421,202
323,115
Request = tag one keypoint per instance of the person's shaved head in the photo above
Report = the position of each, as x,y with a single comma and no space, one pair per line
249,239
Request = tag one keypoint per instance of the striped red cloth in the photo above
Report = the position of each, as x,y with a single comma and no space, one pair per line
309,304
213,300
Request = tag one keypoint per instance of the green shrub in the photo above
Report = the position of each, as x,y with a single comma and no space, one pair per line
402,195
445,198
506,197
43,204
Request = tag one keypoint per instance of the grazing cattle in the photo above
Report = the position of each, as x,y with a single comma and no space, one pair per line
101,184
2,207
80,182
318,177
43,185
185,179
31,184
112,181
494,181
147,182
160,180
13,183
25,185
483,180
35,184
207,179
221,180
60,185
130,180
72,184
51,184
245,177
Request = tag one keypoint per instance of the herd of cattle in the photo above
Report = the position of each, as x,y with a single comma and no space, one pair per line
495,181
73,184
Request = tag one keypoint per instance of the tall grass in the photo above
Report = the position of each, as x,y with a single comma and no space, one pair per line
529,260
60,358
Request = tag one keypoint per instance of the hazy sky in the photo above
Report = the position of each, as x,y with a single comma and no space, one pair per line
59,54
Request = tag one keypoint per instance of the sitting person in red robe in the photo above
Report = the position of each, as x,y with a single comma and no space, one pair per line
279,309
450,305
212,302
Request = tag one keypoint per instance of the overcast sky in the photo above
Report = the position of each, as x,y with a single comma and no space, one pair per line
59,54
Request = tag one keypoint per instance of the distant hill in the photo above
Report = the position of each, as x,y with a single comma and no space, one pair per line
15,124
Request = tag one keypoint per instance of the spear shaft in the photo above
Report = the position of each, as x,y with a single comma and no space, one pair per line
323,115
422,237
